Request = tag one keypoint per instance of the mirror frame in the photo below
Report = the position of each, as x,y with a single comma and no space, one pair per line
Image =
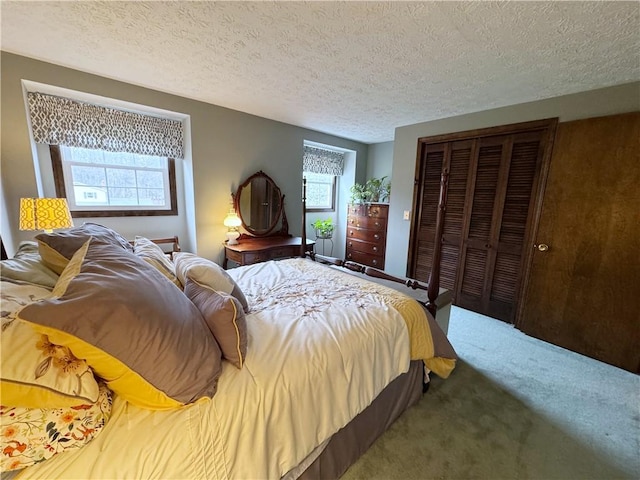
280,216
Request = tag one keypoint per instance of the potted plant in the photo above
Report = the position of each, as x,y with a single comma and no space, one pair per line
378,189
324,228
374,190
359,193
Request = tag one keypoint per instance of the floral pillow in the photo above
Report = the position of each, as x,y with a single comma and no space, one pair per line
35,372
32,435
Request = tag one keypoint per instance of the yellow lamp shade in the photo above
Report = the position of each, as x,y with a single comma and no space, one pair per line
44,214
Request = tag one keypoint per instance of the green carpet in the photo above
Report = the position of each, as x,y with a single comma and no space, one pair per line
514,408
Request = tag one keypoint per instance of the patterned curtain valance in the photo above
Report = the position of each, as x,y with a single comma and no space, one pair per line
62,121
318,160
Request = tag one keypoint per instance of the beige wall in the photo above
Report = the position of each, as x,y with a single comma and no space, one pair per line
594,103
226,147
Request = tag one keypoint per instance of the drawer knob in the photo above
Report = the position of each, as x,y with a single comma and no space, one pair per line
352,221
376,236
348,255
377,224
375,249
350,232
374,261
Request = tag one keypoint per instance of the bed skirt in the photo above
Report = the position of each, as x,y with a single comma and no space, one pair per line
349,443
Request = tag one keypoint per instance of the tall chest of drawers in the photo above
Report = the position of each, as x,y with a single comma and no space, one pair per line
367,233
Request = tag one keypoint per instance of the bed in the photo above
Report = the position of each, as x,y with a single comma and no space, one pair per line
282,369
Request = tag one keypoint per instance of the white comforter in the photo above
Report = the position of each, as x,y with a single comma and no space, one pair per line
318,353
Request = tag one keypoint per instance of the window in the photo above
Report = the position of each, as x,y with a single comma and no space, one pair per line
321,167
99,183
108,162
321,192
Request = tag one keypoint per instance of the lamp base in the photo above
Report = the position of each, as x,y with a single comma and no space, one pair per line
232,237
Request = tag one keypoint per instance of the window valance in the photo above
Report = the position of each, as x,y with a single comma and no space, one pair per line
63,121
319,160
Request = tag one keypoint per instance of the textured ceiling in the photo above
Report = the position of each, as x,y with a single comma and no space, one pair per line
353,69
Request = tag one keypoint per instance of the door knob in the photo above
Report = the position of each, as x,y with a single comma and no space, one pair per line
543,247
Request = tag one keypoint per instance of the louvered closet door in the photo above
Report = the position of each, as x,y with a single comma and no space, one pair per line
457,162
485,186
501,192
505,286
490,203
454,157
428,193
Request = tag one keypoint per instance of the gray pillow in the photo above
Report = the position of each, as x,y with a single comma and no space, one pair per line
224,316
137,331
57,248
206,272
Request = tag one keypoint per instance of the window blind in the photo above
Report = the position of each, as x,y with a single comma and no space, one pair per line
63,121
319,160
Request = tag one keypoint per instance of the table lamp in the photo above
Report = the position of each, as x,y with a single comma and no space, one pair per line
44,214
232,221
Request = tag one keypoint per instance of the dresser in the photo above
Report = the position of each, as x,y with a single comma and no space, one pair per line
367,233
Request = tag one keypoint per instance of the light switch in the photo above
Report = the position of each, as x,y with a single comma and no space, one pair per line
407,215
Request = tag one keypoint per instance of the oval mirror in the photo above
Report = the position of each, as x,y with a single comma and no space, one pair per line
259,204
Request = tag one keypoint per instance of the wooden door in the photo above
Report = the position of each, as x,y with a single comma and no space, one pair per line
493,184
584,291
